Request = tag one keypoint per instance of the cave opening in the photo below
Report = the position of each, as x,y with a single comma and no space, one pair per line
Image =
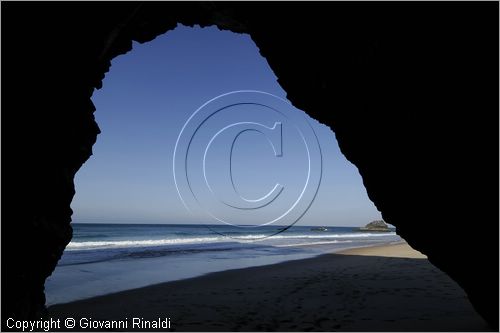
128,206
429,101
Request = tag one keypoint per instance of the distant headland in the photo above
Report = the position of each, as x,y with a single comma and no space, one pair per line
378,225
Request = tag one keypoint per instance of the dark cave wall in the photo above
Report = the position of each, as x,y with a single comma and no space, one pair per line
410,90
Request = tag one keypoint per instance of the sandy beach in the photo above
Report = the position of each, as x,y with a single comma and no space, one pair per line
381,288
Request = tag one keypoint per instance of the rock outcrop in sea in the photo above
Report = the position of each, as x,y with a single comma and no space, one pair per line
378,225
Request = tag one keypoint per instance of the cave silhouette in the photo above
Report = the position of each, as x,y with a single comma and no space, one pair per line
411,91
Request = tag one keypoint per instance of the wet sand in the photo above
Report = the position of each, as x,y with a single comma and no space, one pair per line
382,288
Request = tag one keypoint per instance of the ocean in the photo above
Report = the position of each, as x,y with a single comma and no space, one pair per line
107,258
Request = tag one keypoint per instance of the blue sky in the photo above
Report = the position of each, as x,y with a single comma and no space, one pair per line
146,99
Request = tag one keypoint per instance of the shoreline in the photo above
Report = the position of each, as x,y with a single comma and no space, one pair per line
175,276
398,249
102,278
363,250
378,288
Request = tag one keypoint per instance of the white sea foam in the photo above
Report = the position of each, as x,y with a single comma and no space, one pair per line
319,236
315,243
82,245
140,243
